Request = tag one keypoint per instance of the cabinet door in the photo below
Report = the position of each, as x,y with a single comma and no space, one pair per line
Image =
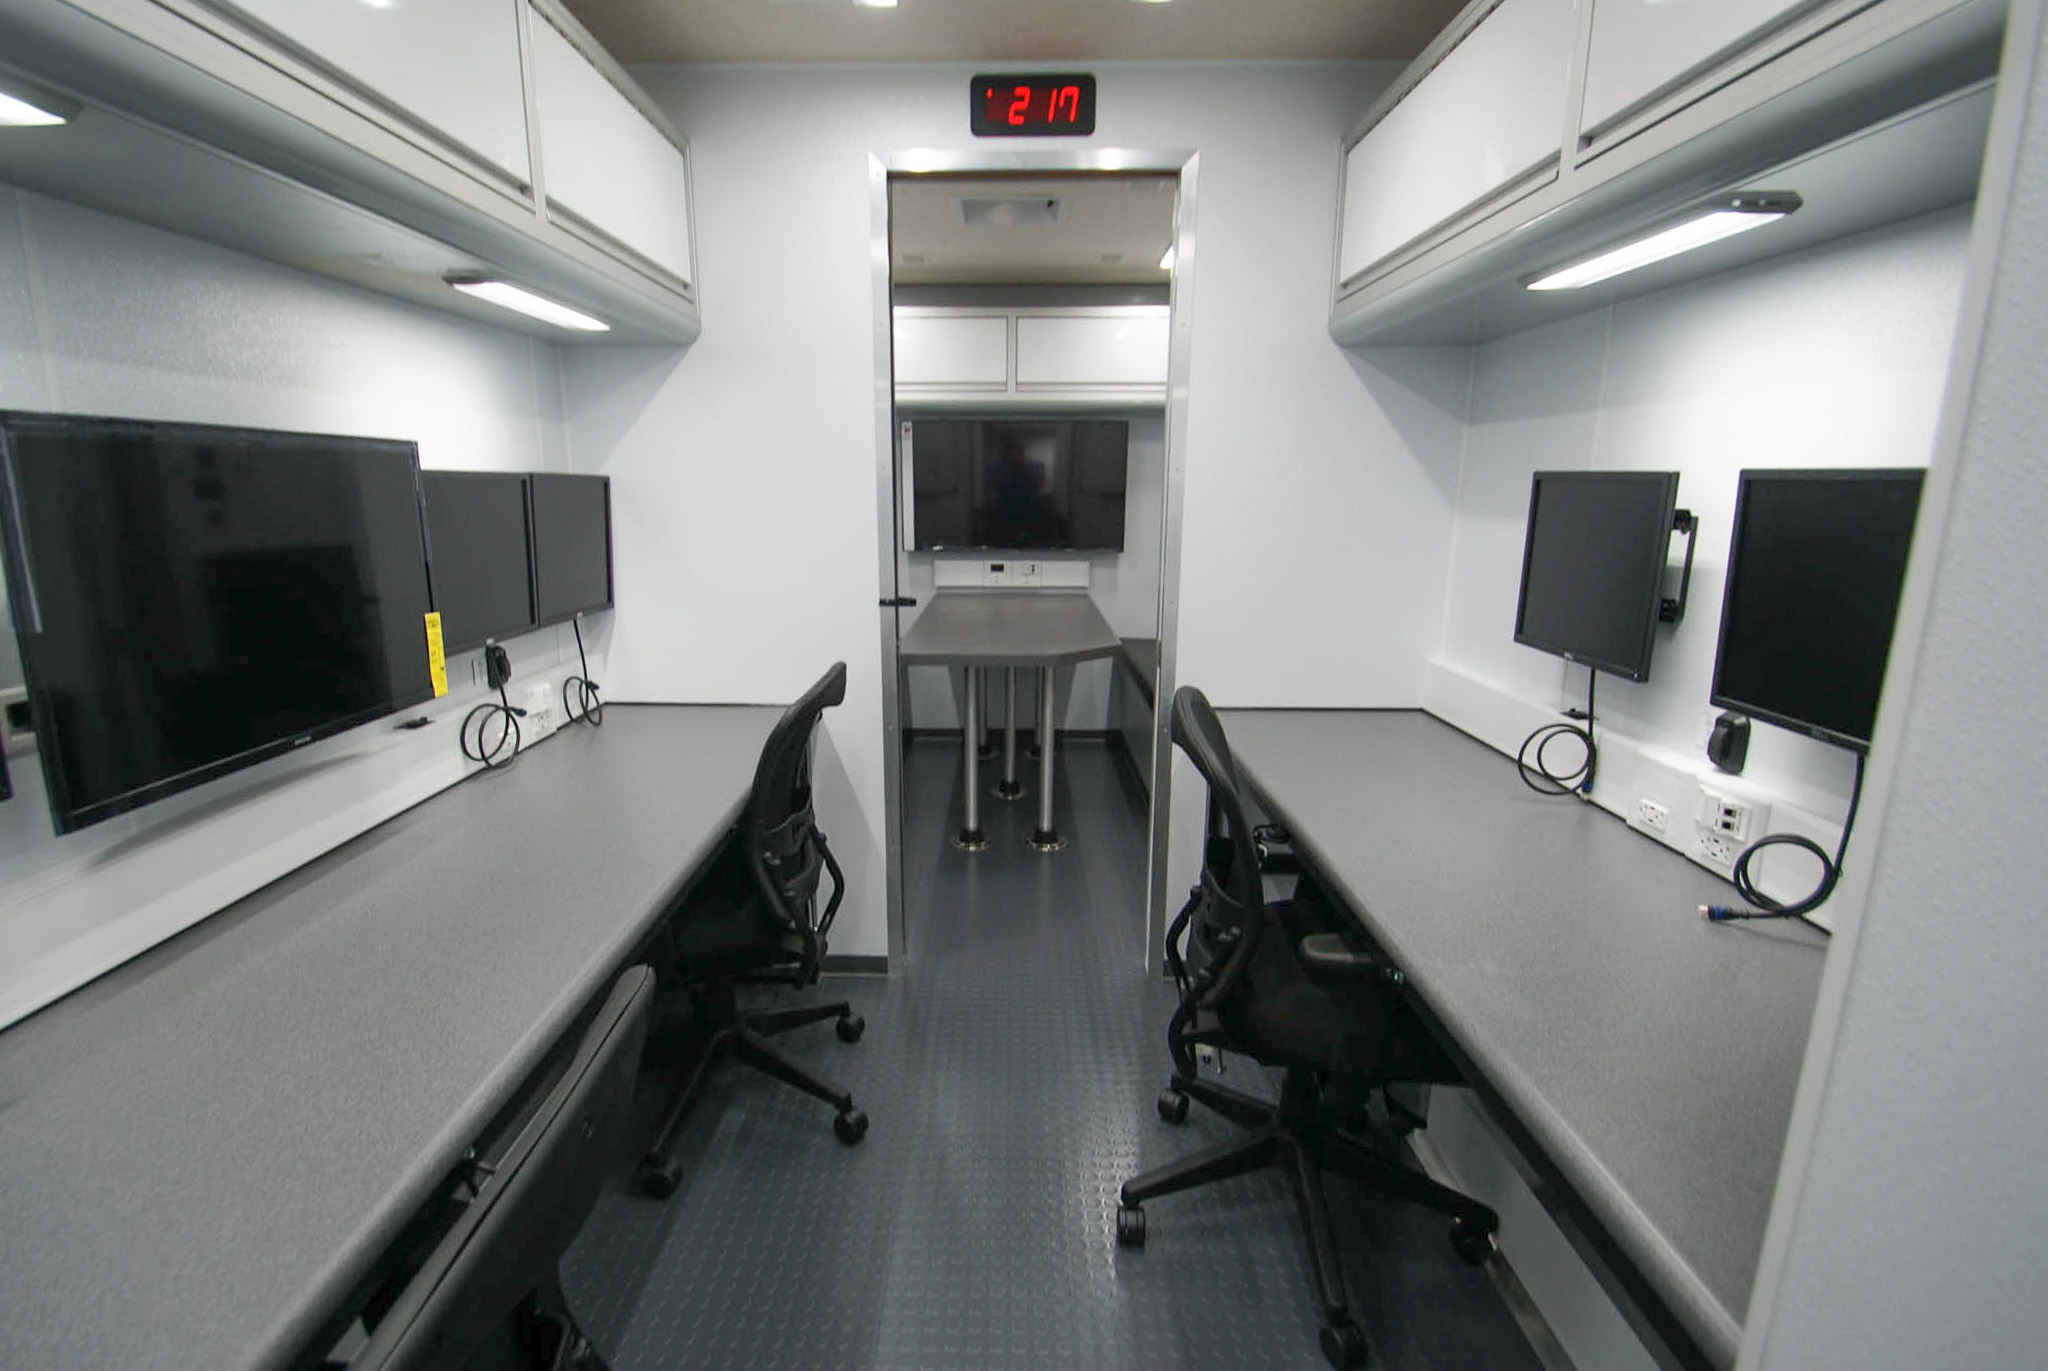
603,162
1489,114
1640,47
451,66
961,351
1125,349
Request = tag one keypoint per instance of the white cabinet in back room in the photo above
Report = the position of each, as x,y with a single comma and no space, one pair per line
1124,348
955,351
1642,47
1488,118
604,161
450,66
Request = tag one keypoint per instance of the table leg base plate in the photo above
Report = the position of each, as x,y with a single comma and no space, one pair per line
1046,840
970,840
1008,790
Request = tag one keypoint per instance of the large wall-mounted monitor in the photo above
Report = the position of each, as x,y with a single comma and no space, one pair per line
1815,567
1017,485
480,549
1593,560
192,600
572,545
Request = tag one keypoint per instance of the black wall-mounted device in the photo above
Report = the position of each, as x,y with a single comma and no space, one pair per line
1728,744
497,666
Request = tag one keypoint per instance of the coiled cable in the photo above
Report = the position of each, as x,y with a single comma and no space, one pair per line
1765,907
479,720
1530,761
580,703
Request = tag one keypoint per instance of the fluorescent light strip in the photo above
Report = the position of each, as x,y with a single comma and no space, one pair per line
1166,262
1710,226
505,295
16,113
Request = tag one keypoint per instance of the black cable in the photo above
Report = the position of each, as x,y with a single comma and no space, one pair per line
584,706
1830,873
481,716
1536,773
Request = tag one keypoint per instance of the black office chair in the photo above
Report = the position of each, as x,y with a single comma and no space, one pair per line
1285,984
755,922
488,1296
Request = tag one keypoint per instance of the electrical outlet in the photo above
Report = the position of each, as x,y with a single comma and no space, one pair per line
1718,850
1652,816
998,574
1024,573
543,712
1736,819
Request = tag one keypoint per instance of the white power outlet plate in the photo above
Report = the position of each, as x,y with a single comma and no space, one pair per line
1731,816
543,712
1718,851
17,730
1651,816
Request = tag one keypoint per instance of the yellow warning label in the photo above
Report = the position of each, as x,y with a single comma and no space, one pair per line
437,660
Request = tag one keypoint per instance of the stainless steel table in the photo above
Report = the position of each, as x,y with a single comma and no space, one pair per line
1643,1059
205,1151
979,629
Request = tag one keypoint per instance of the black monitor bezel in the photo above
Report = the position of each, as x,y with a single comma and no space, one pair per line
67,817
1748,477
1038,549
1653,599
611,573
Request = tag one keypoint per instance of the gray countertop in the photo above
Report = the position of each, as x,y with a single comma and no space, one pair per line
1652,1056
203,1152
1008,628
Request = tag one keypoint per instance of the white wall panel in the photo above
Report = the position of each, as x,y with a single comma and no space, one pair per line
1491,111
967,351
452,65
602,161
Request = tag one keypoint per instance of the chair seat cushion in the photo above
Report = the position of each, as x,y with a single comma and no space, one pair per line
717,935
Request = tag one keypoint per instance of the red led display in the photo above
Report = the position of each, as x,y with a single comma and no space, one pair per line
1037,105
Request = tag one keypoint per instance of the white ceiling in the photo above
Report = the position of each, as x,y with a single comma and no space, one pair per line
1111,230
1016,30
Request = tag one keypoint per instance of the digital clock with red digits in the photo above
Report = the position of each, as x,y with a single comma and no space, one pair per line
1038,105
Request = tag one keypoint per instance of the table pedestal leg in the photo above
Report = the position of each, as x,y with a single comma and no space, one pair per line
1010,787
1047,838
970,838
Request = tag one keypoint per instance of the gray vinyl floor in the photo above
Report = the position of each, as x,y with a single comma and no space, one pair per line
1009,1070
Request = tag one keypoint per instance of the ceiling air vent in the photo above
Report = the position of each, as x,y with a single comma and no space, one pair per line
1011,211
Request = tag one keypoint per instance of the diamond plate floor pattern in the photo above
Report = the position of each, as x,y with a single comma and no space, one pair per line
1009,1071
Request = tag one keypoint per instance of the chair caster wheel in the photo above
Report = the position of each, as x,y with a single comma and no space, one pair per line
850,1028
1130,1226
1344,1346
660,1177
851,1126
1173,1106
1472,1242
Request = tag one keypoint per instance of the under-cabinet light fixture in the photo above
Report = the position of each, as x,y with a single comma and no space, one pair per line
1706,224
24,107
505,295
1166,262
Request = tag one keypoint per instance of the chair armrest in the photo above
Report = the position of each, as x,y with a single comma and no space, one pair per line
1338,961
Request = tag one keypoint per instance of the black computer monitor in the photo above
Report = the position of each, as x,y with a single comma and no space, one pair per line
480,548
497,1265
572,545
1019,485
1815,567
190,600
1593,559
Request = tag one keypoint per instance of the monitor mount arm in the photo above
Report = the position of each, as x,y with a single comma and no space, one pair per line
1670,611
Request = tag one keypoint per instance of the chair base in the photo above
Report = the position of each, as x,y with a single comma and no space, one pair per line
744,1037
1299,1139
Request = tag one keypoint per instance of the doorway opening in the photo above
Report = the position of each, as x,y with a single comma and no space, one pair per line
1031,400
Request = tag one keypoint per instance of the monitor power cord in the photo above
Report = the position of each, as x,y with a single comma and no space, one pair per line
1766,907
480,718
580,703
1535,771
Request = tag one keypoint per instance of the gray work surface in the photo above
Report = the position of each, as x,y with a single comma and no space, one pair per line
1651,1055
1008,628
203,1152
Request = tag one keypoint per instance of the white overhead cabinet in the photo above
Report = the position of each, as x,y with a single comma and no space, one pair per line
604,161
1488,120
1095,357
449,66
1644,48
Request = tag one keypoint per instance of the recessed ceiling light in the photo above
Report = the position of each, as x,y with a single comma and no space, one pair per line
876,4
519,300
25,108
1166,262
1707,224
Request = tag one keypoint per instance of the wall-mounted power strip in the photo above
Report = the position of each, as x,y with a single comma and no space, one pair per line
17,721
953,573
543,706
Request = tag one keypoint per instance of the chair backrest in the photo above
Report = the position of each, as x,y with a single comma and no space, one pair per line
506,1244
1230,908
785,850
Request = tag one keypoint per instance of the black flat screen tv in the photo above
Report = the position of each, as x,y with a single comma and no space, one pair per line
479,547
1815,567
192,600
572,545
1018,485
1593,559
